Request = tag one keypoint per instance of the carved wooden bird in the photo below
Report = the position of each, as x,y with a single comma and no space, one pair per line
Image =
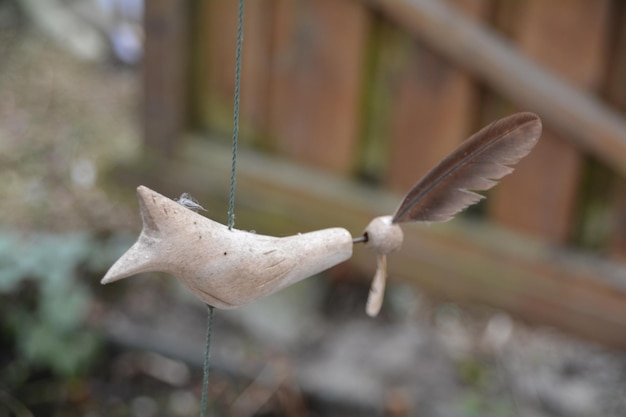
228,268
224,268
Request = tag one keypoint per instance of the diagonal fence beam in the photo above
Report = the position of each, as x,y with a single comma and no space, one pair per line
578,116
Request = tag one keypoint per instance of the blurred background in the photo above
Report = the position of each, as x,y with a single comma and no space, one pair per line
515,308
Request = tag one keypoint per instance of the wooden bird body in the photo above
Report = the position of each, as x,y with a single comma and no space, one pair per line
224,268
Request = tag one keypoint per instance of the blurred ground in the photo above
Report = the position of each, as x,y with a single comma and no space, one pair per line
61,122
307,351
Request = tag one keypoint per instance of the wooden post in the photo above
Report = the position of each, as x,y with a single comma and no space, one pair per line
165,74
540,198
615,88
215,69
616,94
319,48
433,107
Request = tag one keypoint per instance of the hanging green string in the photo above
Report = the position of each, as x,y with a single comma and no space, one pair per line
231,202
231,205
207,359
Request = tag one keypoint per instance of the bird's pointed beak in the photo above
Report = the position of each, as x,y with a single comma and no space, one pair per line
139,258
142,256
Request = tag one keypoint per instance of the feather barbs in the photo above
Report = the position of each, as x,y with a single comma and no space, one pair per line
477,164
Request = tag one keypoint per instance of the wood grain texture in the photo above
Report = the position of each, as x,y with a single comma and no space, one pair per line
433,106
540,199
165,75
615,91
617,244
580,117
615,86
318,56
224,268
215,72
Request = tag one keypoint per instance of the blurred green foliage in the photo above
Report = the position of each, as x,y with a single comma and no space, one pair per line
45,297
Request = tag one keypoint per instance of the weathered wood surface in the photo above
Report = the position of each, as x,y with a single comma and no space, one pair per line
165,79
618,221
300,77
214,71
615,90
383,89
223,267
615,86
541,198
434,104
458,261
269,51
318,53
592,125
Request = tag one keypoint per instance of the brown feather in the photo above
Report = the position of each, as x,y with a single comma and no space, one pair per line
477,164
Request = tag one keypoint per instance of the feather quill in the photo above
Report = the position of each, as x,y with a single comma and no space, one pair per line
477,164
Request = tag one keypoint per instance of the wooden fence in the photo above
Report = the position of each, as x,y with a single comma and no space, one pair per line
372,93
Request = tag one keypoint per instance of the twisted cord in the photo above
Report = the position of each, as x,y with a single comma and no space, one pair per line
207,361
231,202
233,170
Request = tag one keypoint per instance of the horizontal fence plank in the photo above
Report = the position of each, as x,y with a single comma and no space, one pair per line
459,261
578,116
